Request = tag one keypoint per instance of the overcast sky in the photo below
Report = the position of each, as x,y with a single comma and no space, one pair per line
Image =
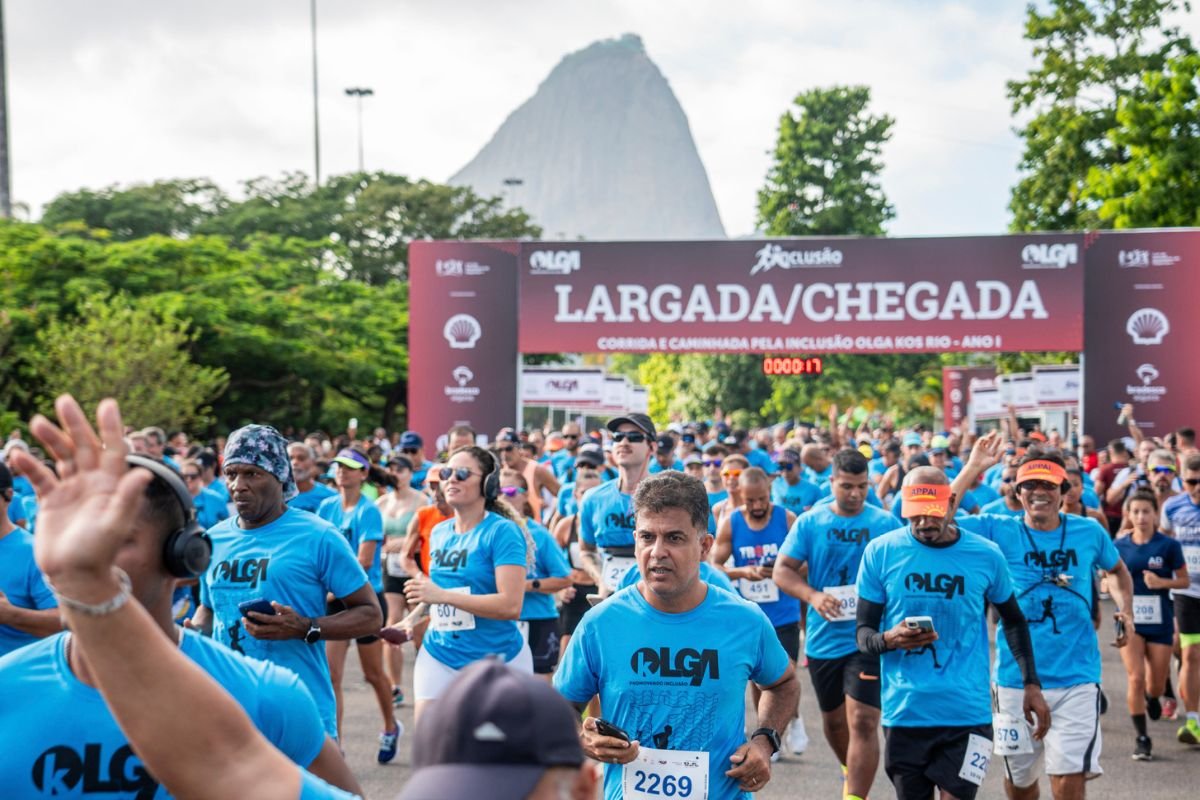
120,91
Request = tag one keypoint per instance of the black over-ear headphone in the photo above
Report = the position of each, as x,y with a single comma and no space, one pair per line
491,483
187,550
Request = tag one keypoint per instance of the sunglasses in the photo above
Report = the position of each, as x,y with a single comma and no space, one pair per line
461,474
786,466
508,449
730,473
511,491
570,435
1033,486
1164,470
633,437
410,451
1007,480
687,437
1192,481
586,473
716,462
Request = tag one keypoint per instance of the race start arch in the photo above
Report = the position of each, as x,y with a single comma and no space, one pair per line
1126,300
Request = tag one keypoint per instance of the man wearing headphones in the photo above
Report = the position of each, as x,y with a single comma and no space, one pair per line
283,562
57,736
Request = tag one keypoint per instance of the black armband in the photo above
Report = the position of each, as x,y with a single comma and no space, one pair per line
869,639
1016,634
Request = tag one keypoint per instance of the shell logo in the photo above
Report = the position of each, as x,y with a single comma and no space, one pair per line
1147,326
462,331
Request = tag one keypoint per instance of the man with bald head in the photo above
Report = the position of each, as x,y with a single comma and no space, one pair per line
923,593
817,464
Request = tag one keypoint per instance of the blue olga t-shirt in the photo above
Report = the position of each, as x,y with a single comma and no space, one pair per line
363,523
469,560
796,498
945,683
1059,617
673,681
1001,508
550,562
833,547
1162,555
23,584
210,508
708,573
58,738
311,500
751,548
295,560
606,516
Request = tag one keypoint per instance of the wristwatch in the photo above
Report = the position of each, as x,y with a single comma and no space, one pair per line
314,632
772,737
537,584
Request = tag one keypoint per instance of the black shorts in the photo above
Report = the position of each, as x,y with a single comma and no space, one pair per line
1156,638
789,636
917,760
544,644
394,585
853,675
1187,613
571,613
336,606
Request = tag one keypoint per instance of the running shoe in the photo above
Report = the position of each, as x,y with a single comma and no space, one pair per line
797,737
389,741
1190,732
1154,708
397,696
1170,708
1142,751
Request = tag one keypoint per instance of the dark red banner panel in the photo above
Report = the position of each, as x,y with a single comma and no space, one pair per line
999,293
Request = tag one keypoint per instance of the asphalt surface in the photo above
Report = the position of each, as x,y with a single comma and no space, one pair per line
1174,773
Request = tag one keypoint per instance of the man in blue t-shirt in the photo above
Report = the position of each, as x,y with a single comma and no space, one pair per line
790,488
830,540
309,492
28,610
1181,519
1053,558
52,718
923,593
664,455
670,658
606,512
412,447
290,558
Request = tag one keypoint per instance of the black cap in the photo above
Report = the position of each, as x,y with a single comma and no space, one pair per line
5,477
492,734
590,454
666,441
642,421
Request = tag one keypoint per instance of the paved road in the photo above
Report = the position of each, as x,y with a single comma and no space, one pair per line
1173,774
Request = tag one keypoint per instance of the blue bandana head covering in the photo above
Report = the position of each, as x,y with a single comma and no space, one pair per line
264,447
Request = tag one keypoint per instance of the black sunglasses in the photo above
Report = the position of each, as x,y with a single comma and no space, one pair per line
1192,481
1033,486
462,473
507,449
410,450
633,437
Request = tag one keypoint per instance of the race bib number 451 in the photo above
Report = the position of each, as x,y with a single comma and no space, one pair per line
656,774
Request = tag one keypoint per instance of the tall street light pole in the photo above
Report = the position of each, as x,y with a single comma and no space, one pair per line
312,5
359,92
5,177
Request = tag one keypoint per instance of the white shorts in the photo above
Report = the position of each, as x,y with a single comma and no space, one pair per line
431,677
1071,746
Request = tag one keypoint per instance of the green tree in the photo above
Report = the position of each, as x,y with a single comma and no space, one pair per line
1089,55
824,175
133,354
172,208
1159,130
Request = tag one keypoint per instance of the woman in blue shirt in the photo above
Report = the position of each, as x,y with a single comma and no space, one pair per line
476,584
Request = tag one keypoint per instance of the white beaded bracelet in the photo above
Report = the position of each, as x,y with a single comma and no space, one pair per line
99,609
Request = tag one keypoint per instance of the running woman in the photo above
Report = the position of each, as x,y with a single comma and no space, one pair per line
1157,565
1181,518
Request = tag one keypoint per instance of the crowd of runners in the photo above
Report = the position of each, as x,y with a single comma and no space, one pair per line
667,581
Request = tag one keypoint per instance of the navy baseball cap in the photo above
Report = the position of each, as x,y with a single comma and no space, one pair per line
492,734
411,439
640,421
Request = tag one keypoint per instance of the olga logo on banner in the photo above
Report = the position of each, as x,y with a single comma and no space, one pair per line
1147,326
462,331
1042,255
553,262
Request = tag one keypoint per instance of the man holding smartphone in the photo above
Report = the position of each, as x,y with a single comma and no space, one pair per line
937,709
670,658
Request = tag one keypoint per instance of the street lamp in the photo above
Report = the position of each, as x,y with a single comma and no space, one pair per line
359,92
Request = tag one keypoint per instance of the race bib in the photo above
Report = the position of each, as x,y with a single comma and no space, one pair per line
614,570
847,597
1147,609
764,591
445,617
976,759
1191,554
395,566
1010,735
656,774
573,553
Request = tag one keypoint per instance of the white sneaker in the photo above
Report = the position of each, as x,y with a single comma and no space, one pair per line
796,737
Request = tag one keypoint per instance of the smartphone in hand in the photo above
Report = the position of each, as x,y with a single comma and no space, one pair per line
258,606
606,728
919,623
